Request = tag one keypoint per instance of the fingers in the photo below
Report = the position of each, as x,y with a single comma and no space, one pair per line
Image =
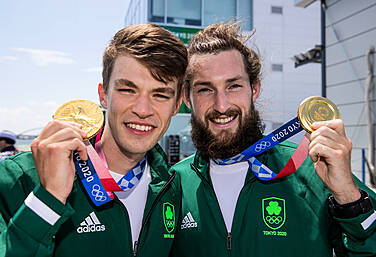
329,140
54,149
320,150
330,133
336,125
69,134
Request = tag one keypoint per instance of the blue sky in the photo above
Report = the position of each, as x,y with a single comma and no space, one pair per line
50,53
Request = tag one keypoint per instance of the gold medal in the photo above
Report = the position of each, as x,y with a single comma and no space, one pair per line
316,108
84,112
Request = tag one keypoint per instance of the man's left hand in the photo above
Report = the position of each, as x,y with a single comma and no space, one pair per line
330,150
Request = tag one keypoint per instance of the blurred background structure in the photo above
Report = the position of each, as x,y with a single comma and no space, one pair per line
308,47
349,30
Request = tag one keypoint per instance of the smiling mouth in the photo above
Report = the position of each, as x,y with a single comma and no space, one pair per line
143,128
223,120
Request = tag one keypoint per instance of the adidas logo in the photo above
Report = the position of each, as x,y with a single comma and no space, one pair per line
188,222
91,224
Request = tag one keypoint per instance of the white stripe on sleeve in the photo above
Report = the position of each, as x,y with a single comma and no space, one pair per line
41,209
368,222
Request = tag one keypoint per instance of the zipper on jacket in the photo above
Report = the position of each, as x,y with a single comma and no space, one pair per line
135,248
149,213
229,241
229,237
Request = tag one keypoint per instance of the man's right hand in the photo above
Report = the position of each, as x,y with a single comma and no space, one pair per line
53,156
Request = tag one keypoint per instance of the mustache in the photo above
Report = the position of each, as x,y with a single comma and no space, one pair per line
217,114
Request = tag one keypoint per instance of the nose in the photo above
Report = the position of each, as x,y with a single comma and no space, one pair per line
143,107
222,102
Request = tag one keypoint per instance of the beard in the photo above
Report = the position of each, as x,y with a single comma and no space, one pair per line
226,144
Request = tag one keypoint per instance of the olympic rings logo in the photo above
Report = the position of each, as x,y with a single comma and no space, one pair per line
98,194
274,219
262,145
170,223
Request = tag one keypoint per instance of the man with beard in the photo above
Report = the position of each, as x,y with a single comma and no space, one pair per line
228,210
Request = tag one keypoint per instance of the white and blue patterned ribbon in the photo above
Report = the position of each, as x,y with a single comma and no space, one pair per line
279,135
133,176
93,184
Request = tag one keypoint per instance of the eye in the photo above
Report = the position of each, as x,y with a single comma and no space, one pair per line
235,86
162,96
126,90
202,90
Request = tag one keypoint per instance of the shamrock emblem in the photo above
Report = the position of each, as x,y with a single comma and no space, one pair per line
169,214
273,208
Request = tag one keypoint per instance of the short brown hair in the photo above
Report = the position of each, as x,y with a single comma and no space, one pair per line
158,49
221,37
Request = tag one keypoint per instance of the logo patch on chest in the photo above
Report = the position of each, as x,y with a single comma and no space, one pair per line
169,219
274,215
188,222
91,224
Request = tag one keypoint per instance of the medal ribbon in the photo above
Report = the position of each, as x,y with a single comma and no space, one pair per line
279,135
96,178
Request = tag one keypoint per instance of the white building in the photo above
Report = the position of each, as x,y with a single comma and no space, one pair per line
350,30
282,31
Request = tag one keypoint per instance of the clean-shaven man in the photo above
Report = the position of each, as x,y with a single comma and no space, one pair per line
45,210
231,210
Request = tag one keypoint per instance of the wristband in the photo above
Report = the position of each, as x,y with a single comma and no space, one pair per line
350,210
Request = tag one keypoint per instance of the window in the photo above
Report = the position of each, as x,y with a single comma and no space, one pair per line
215,12
184,12
277,9
156,11
200,13
175,12
277,67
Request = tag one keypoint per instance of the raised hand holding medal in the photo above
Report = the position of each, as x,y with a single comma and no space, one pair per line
52,152
311,110
93,171
329,149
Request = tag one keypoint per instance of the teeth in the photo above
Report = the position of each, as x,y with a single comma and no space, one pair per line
139,127
224,120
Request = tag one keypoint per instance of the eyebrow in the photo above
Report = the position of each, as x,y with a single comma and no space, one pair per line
234,79
125,82
128,83
164,90
208,83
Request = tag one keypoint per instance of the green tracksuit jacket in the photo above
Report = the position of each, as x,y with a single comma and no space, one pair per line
283,218
24,233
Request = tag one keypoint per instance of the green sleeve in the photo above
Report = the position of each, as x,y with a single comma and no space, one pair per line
358,234
23,231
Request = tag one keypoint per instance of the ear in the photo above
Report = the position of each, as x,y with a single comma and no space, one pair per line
102,95
187,99
256,89
178,104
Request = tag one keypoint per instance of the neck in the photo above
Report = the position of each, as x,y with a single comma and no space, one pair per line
118,160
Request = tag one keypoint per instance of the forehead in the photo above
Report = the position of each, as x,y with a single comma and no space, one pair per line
223,65
129,68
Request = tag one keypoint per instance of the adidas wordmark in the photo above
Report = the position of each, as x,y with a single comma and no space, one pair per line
91,224
188,222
